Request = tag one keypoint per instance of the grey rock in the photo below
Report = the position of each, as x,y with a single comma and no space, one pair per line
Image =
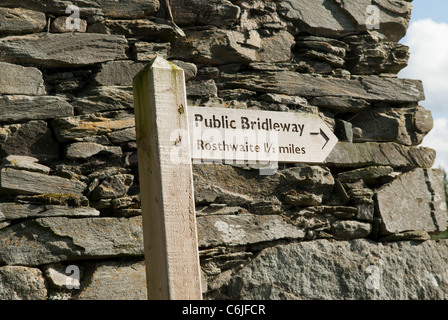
24,163
20,80
377,57
208,193
350,229
345,270
18,21
366,212
147,30
216,46
371,88
60,25
12,211
259,14
22,283
306,175
85,150
327,18
124,280
129,9
147,51
413,201
340,104
32,138
79,127
112,187
202,89
203,12
295,198
20,108
25,182
118,73
277,47
347,154
121,136
395,125
369,174
233,186
59,238
234,230
103,99
38,49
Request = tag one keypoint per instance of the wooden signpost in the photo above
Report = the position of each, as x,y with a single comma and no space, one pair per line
169,136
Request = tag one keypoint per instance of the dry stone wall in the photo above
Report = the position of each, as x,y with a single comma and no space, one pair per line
357,226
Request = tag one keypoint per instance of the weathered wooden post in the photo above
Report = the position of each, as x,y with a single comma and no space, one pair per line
166,183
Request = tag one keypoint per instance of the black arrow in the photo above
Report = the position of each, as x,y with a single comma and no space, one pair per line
323,135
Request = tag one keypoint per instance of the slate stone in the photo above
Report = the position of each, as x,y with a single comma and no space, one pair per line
422,205
129,9
24,163
32,138
12,211
350,229
347,154
118,73
38,49
22,283
327,18
369,174
204,12
112,187
216,47
103,99
16,79
395,125
85,150
115,280
20,108
78,128
147,51
18,21
14,181
156,30
60,238
371,88
244,229
344,270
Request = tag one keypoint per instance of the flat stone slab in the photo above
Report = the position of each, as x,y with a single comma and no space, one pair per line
60,238
14,181
22,283
56,50
21,108
15,79
129,9
233,230
345,270
12,211
346,154
415,200
372,88
18,20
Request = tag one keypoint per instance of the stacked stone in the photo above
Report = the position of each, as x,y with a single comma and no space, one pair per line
69,192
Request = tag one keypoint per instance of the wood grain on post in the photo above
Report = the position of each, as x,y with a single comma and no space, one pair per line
166,183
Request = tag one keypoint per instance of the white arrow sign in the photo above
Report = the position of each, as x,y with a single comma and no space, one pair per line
260,136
